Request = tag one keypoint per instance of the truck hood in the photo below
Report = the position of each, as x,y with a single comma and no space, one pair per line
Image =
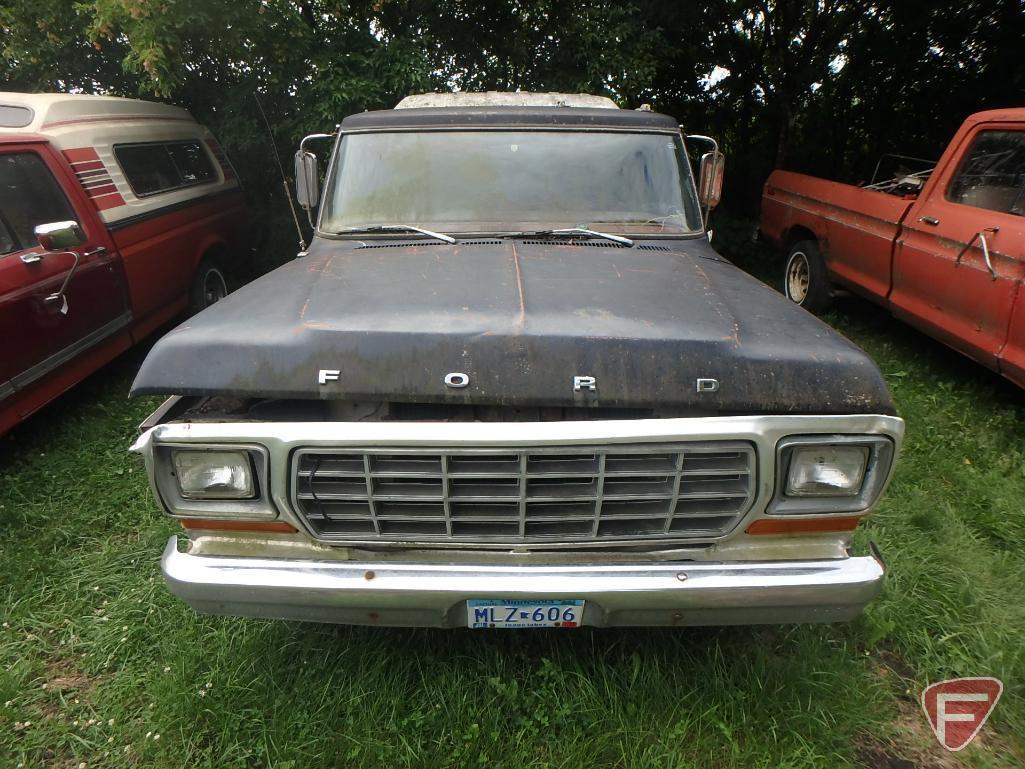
520,319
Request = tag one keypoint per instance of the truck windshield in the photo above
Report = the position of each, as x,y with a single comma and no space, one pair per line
505,181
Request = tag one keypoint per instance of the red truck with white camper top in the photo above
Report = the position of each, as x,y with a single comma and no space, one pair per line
116,215
943,248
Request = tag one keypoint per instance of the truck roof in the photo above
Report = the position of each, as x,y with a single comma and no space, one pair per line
407,119
39,112
508,109
1004,115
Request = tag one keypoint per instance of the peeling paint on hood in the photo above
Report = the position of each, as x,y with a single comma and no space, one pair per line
521,319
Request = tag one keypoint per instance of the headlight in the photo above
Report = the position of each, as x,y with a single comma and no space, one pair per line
214,474
824,474
827,471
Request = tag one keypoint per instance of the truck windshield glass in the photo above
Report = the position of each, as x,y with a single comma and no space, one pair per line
501,181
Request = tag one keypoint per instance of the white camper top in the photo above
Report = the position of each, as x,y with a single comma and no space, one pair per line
43,112
506,99
88,130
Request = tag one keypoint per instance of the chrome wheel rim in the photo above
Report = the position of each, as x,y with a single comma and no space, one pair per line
798,277
214,287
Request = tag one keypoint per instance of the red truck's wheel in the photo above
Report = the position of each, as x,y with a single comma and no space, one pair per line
805,280
208,287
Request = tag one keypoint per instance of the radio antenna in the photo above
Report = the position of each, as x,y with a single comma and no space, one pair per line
281,169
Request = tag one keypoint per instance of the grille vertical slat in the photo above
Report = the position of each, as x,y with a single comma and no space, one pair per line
524,496
679,468
522,502
369,484
599,499
445,461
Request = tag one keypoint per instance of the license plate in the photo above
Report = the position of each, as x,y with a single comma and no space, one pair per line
496,613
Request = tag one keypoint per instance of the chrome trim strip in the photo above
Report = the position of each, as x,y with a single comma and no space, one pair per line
418,594
162,410
6,388
58,359
282,438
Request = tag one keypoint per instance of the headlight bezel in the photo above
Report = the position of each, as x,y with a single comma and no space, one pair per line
879,461
175,503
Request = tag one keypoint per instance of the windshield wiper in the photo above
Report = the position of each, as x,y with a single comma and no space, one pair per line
398,228
580,231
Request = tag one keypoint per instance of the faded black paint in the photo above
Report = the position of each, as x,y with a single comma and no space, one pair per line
521,320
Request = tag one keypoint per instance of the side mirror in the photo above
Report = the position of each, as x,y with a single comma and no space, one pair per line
306,191
713,165
59,236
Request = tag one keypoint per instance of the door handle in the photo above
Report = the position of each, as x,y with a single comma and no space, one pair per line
981,237
58,295
36,258
930,220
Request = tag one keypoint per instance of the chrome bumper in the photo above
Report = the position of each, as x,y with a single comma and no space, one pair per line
435,595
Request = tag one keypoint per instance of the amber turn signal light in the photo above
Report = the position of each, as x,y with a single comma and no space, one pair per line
278,527
804,525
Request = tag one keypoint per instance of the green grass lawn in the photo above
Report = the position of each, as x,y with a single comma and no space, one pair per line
100,665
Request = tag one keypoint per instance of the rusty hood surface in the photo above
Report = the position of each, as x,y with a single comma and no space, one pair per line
520,319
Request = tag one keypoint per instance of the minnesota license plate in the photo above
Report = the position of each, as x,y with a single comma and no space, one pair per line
496,613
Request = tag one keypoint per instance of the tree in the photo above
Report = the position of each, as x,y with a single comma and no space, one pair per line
44,46
842,80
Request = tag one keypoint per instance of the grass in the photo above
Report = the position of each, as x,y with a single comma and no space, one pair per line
108,669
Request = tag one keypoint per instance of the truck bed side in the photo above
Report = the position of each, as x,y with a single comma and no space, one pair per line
855,227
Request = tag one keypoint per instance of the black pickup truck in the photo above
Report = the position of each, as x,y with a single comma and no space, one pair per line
510,384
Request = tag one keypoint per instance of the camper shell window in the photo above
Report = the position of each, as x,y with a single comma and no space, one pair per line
162,166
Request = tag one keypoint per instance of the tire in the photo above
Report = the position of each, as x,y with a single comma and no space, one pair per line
805,280
208,285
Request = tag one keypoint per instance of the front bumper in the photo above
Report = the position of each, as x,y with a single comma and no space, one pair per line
435,595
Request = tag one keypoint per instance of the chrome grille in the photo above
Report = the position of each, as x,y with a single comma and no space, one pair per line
559,494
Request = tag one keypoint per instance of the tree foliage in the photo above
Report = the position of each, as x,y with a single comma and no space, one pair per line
820,85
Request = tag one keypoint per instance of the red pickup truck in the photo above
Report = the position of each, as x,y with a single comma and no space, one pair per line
115,216
942,248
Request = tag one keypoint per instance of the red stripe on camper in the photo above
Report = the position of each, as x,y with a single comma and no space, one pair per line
104,189
79,154
93,176
111,200
84,166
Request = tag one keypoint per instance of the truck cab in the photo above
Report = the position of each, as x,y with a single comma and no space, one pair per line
510,384
116,215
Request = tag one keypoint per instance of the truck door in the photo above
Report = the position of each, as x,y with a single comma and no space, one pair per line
958,265
41,331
